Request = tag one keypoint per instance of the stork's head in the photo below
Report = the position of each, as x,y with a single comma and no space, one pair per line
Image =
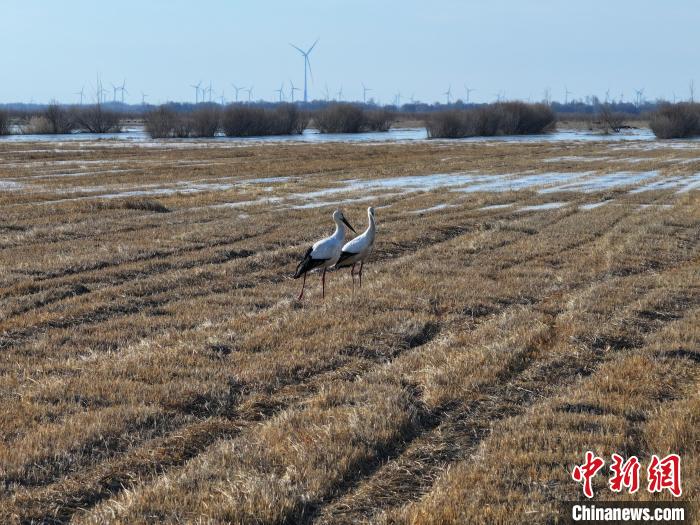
338,217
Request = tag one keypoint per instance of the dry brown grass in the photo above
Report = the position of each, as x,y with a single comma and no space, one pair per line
155,366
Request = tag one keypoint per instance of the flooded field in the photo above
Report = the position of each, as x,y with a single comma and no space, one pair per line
526,300
137,134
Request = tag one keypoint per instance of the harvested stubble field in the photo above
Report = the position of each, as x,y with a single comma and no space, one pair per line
155,364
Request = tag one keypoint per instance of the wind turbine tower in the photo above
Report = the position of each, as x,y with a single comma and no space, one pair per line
365,90
305,54
196,91
237,89
81,92
448,95
123,89
292,89
469,92
280,91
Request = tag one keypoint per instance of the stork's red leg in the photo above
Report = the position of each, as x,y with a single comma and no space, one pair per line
361,265
323,284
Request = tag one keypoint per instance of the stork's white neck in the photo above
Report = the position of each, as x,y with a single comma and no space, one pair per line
339,229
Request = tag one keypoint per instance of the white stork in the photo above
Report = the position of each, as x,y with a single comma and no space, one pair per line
324,253
359,249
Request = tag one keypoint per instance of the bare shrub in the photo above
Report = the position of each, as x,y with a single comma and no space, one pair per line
205,121
244,121
289,120
184,126
4,123
379,120
340,118
672,121
161,122
610,120
503,118
452,124
37,125
95,119
527,119
60,121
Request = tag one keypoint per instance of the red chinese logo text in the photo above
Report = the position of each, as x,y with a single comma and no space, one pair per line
662,474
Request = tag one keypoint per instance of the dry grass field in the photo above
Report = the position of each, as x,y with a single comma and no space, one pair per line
156,366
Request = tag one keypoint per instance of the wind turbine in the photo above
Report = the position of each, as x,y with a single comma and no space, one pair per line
143,98
640,93
340,93
123,89
114,89
81,92
250,93
280,91
222,97
196,91
99,90
210,90
292,89
691,87
448,94
566,95
325,92
469,91
397,98
365,89
305,54
237,90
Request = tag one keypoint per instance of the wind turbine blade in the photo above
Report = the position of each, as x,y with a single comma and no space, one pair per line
309,63
312,46
295,47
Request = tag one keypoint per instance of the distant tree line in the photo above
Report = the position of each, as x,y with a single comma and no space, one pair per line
588,107
244,120
176,120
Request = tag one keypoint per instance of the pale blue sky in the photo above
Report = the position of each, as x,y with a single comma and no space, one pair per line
52,48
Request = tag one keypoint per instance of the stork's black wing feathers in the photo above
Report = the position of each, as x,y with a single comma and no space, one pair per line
344,256
307,264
